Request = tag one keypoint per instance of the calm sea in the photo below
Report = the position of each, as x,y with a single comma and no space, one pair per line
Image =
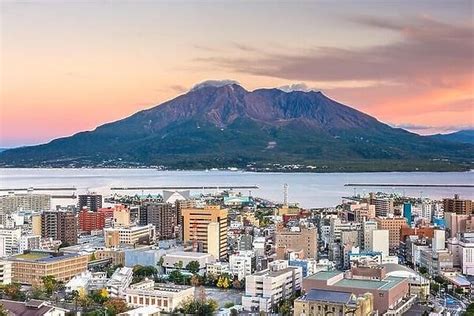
309,189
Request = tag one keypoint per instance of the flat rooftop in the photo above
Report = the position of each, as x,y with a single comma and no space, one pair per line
317,295
40,256
385,284
324,275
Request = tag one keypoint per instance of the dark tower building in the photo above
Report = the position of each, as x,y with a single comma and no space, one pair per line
92,201
163,215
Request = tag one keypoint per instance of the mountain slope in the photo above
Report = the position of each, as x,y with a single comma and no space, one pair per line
464,136
229,126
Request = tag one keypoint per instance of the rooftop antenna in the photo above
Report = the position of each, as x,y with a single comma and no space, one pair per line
285,194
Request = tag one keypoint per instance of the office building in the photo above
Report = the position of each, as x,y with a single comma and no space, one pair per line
31,266
207,226
407,212
59,225
462,249
367,228
170,260
92,202
129,235
393,225
325,302
458,206
264,290
29,242
298,239
383,206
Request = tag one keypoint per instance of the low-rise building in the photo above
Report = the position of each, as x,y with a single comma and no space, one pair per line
5,272
129,235
31,266
119,281
325,302
32,307
166,297
171,260
217,268
391,294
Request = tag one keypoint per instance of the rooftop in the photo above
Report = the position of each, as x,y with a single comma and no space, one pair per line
42,256
324,275
385,284
327,296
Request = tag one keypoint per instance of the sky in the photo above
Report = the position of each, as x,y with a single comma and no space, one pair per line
69,66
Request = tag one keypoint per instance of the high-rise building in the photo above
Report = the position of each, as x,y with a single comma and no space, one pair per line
164,216
91,201
367,228
89,220
407,212
393,225
59,225
383,206
458,206
303,239
379,241
439,240
208,226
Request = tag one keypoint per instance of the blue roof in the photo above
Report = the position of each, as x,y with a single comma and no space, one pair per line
327,296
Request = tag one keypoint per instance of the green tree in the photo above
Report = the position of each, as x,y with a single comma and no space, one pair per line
50,284
176,277
193,306
229,304
469,310
193,267
423,270
13,291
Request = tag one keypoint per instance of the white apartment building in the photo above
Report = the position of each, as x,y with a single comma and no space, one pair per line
242,264
5,272
462,249
368,227
217,268
265,289
29,242
164,296
379,241
27,202
9,241
119,281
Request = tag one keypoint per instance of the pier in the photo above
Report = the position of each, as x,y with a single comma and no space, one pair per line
401,185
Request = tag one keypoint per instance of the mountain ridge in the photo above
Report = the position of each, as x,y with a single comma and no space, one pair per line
227,125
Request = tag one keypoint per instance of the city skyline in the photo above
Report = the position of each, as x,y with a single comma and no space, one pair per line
69,67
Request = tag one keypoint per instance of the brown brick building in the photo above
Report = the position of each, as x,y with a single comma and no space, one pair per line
305,240
458,206
59,225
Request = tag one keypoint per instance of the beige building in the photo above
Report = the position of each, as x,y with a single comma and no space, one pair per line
5,272
117,256
36,224
30,267
325,302
121,216
129,235
166,297
207,226
393,225
297,239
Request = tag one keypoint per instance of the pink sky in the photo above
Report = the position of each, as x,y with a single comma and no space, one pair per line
71,66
